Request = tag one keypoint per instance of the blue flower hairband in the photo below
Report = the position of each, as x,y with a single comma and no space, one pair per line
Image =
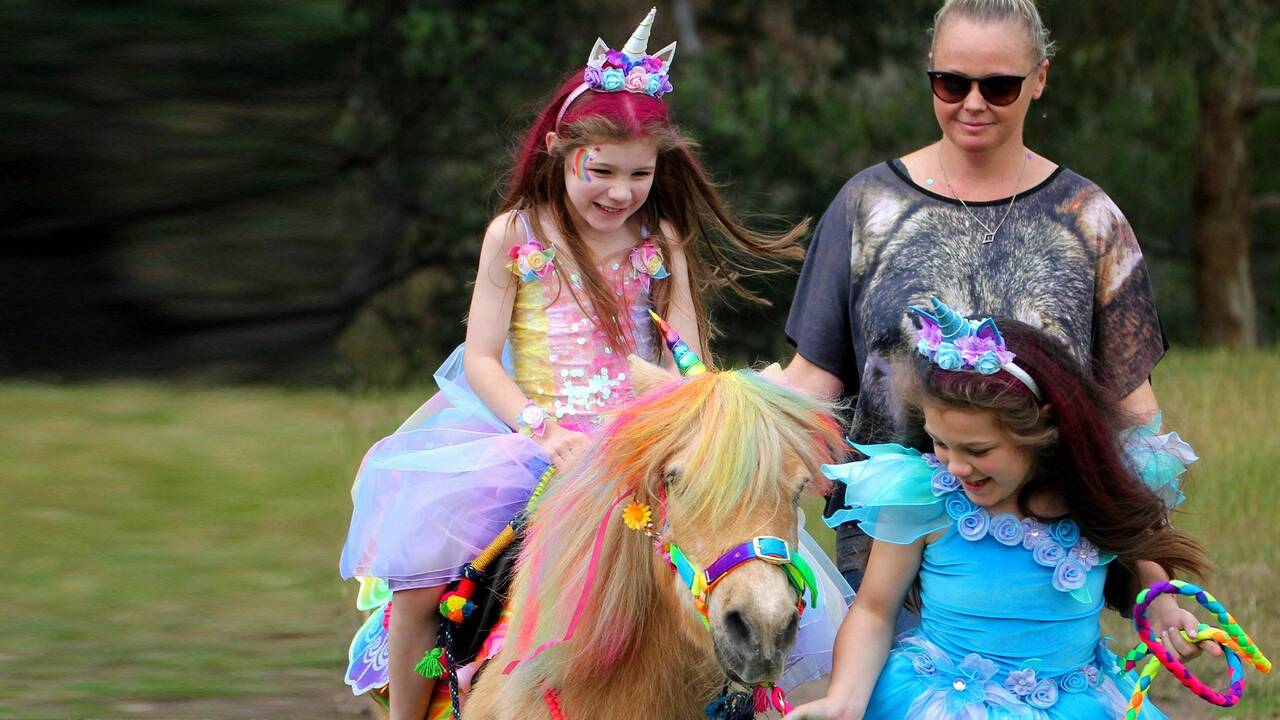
953,342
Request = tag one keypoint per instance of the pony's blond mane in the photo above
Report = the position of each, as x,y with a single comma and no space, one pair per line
737,432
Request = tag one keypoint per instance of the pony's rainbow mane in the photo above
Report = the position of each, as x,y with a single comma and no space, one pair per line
737,430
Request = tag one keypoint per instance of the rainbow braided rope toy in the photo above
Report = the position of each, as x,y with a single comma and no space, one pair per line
1231,636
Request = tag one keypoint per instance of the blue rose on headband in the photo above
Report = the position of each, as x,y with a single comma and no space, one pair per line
613,80
948,357
988,364
655,84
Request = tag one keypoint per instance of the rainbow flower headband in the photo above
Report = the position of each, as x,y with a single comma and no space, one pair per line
955,343
629,69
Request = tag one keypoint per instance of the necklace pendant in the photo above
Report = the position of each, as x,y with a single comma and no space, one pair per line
988,238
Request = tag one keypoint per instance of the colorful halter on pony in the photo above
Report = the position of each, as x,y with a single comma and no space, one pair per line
628,69
1237,645
955,343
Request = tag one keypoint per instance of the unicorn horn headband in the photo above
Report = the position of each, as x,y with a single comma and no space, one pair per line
628,69
686,359
953,342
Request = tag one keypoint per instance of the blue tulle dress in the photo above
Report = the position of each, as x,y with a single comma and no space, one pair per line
1009,626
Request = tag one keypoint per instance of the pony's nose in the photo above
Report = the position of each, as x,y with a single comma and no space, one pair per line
759,647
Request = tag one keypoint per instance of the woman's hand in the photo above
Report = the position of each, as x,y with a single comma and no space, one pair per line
825,709
564,447
1168,618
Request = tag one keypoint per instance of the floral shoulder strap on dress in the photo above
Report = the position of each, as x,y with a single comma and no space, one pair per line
530,260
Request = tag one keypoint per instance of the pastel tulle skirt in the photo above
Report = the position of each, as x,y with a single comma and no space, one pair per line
434,494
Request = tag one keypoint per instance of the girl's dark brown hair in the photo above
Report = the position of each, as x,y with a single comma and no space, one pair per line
1074,437
718,249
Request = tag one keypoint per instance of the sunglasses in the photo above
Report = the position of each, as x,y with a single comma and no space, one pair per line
998,90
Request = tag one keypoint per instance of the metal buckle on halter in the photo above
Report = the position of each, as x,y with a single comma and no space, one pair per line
770,557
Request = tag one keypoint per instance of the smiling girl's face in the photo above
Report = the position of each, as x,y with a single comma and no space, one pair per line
607,182
977,449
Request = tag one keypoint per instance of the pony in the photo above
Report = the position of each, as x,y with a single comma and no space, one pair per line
601,625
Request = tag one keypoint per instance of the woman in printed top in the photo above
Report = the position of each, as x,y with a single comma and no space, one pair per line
1025,520
981,219
608,215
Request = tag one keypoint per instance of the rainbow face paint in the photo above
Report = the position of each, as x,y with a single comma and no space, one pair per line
581,157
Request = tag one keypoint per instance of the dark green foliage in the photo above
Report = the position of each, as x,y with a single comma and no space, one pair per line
240,187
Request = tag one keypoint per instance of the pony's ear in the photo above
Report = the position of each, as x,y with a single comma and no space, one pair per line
646,376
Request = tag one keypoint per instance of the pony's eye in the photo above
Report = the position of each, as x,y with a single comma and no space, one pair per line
670,477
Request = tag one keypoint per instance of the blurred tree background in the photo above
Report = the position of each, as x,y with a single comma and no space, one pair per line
295,191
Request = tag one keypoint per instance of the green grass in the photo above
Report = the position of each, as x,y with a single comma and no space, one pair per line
171,551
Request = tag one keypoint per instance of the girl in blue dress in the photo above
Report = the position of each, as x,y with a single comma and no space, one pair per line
1025,520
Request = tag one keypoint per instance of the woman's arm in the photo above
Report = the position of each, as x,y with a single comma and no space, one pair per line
1141,404
865,636
811,380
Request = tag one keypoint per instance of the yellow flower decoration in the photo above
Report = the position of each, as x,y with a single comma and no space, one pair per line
637,515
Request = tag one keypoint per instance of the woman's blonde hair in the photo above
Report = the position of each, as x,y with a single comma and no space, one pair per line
996,11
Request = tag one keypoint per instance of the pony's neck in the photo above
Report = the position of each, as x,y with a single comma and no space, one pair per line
671,672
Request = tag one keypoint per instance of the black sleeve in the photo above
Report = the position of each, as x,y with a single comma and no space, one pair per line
818,324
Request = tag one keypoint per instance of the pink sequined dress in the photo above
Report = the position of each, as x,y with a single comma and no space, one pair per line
428,498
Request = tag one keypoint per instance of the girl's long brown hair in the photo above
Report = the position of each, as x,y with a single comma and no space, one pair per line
718,249
1074,434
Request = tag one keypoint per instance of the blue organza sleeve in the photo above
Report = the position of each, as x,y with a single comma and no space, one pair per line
890,494
1159,459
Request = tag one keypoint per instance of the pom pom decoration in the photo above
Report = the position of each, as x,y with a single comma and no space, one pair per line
456,607
432,665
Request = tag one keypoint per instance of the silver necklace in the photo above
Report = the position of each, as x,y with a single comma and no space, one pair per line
988,232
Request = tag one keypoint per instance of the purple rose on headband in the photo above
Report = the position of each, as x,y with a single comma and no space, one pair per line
1006,528
652,64
1021,682
948,357
1048,553
665,87
931,334
973,525
1044,695
593,76
988,364
612,80
637,80
615,59
1069,575
944,482
972,347
1065,531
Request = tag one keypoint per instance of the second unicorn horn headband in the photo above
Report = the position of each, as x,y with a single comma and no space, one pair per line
953,342
629,69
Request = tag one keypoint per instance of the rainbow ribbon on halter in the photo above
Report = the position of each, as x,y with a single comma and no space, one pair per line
1238,644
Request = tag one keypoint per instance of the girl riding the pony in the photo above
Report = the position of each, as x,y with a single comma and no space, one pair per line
608,216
